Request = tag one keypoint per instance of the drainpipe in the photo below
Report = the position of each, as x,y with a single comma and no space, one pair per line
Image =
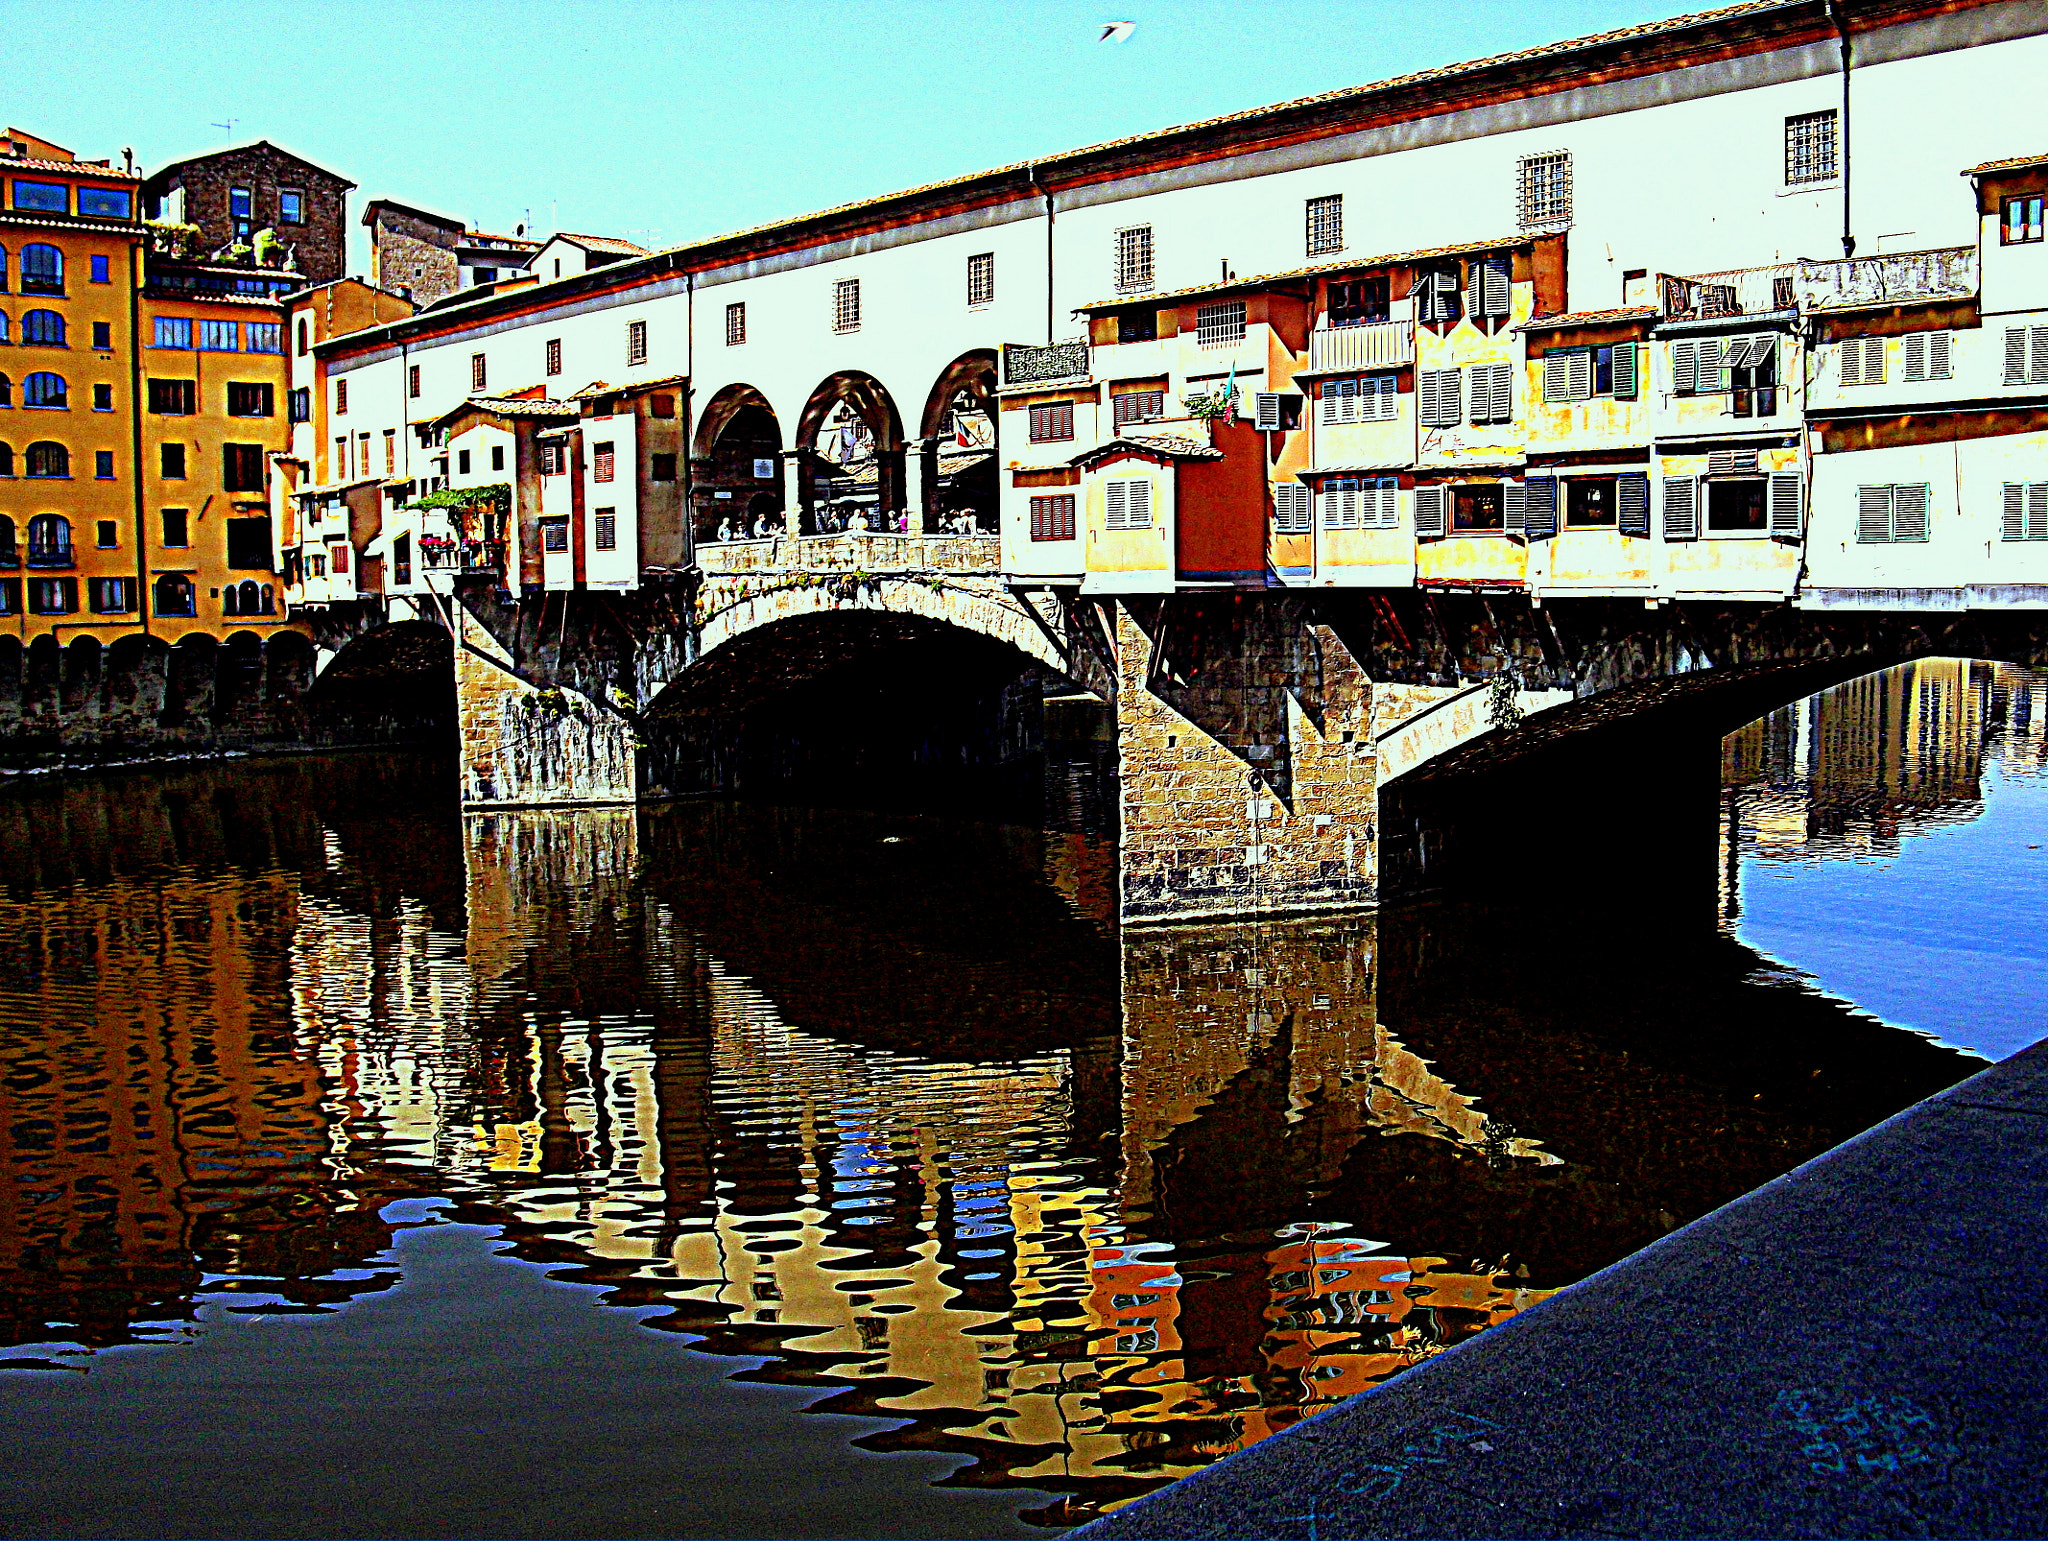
135,406
1840,18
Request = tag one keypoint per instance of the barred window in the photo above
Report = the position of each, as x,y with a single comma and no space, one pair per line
1810,148
1134,406
1218,326
636,342
341,398
1325,225
1052,518
735,324
1134,259
846,305
412,381
1544,189
981,278
605,534
478,374
554,357
1054,420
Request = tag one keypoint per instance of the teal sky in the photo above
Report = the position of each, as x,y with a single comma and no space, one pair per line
665,122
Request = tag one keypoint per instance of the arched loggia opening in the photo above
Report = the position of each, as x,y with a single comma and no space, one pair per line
850,454
393,685
736,467
952,463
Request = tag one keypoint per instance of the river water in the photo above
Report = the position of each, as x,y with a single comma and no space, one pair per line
714,1169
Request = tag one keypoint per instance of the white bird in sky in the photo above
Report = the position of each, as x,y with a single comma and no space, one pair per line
1120,30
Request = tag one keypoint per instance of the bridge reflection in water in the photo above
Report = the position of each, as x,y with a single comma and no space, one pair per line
882,1102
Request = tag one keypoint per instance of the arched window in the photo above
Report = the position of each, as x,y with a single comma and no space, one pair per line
241,598
49,541
43,389
3,326
174,594
42,269
3,269
269,600
44,328
48,459
6,459
230,601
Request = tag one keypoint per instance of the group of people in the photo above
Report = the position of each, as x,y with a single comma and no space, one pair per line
852,521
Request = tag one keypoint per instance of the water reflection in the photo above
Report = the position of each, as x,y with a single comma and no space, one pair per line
880,1107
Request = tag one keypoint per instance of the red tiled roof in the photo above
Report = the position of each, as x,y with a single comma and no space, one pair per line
1171,445
70,169
2011,163
603,243
1588,318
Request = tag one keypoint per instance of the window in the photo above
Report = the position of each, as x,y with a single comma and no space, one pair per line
49,541
337,559
401,559
846,305
484,275
111,596
103,334
636,342
171,462
1891,514
1492,393
175,595
47,458
981,279
42,269
1365,399
1487,286
53,596
43,389
661,468
1325,225
2026,355
412,381
42,329
1134,259
1710,366
1752,366
220,337
10,596
605,529
304,341
102,270
1127,504
1579,374
249,543
1219,325
735,324
497,457
363,454
1589,503
266,336
108,533
1358,302
241,467
103,398
601,463
2024,511
462,462
1291,508
1359,503
390,451
341,398
2020,220
291,206
1135,406
554,459
1543,189
103,465
242,211
554,535
1436,294
173,332
1439,397
251,399
316,565
1810,148
6,460
553,365
1477,508
43,197
302,405
1735,507
661,404
1051,422
1862,360
107,203
1052,517
1927,356
478,374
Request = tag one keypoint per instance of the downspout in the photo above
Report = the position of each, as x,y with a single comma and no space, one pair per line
1840,18
135,405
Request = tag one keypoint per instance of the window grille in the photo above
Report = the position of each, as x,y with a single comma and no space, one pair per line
412,381
1325,225
636,342
341,398
735,324
981,278
478,374
1219,325
1052,518
1544,189
1891,514
1134,406
1810,148
1052,421
554,356
1134,259
846,305
1127,504
2024,513
605,530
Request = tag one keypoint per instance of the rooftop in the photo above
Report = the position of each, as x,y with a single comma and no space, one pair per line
601,243
1172,445
1589,318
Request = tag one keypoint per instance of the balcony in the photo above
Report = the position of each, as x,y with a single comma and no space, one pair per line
1024,364
1894,278
1380,345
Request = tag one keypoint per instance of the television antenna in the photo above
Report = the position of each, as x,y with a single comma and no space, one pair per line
228,127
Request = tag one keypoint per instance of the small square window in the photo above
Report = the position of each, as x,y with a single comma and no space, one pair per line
103,398
1810,148
102,270
103,334
1589,503
661,468
171,461
2021,220
109,534
1051,422
1052,518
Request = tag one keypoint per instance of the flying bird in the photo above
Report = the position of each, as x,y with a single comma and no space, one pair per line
1120,30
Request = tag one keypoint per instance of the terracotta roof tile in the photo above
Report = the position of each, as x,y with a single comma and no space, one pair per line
1588,318
70,169
1172,445
603,243
2011,163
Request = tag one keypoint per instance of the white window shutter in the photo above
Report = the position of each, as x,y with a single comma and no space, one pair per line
1785,504
1916,356
1909,512
1385,404
1497,286
1141,505
1452,395
1873,361
1713,366
2012,513
2015,355
1685,364
1330,399
1114,506
1266,411
2037,511
1557,377
1501,397
1937,356
1514,508
1429,511
1873,514
1582,376
1475,287
1426,397
1849,354
1390,506
1681,508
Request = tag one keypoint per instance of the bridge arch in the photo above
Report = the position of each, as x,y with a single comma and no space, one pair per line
738,438
390,683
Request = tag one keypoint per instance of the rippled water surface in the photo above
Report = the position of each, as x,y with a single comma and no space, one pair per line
725,1170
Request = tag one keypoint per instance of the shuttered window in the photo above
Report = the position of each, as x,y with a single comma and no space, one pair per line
1368,399
1632,504
605,532
1052,518
1787,505
1359,503
1891,514
1135,406
1862,360
1220,325
1429,512
1681,508
1622,364
1699,365
602,463
2023,514
1127,504
1051,422
2026,355
1539,508
1568,376
1927,356
1492,392
1290,508
1436,295
1486,286
1440,397
1134,259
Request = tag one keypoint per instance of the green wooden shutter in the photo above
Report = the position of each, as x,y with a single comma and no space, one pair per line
1625,371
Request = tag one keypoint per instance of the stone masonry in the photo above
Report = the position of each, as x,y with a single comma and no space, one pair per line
525,745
